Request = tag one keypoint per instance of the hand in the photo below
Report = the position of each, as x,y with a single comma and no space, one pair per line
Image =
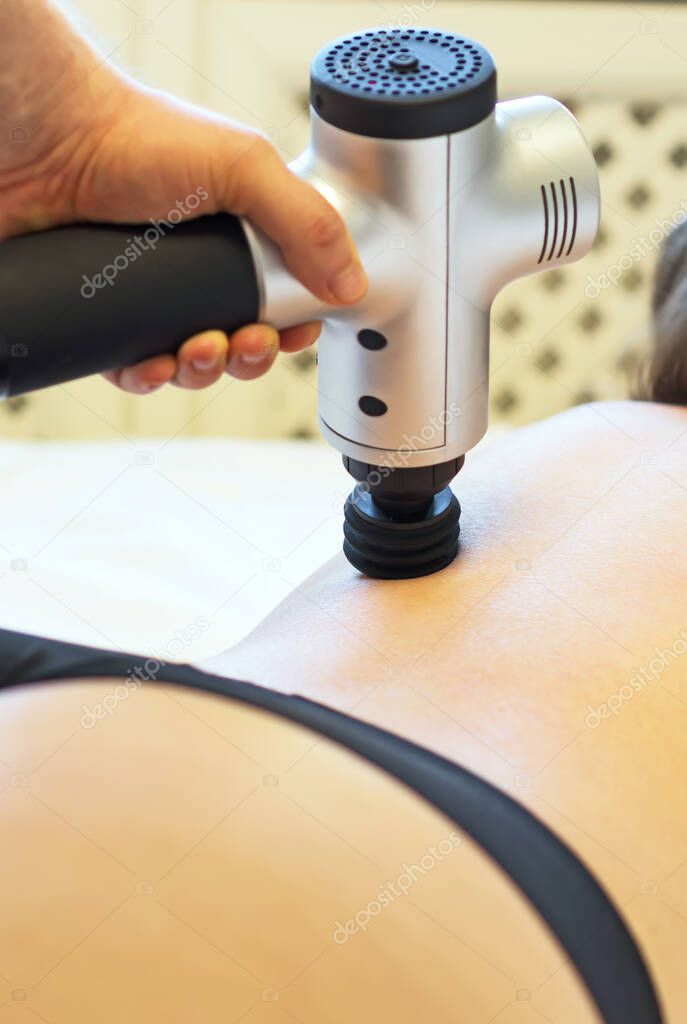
99,147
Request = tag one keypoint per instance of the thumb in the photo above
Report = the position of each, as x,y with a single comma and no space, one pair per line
313,238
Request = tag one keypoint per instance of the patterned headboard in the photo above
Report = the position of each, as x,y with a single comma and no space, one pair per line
558,338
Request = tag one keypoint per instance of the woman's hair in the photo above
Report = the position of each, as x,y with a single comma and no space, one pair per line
666,371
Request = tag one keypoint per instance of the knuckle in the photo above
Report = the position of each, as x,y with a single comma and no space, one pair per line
324,228
248,162
258,151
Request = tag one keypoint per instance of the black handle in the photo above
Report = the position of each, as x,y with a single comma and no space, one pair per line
90,297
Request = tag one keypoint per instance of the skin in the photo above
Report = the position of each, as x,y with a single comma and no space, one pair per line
79,141
570,576
513,661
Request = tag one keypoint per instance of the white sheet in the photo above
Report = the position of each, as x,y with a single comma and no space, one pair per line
125,545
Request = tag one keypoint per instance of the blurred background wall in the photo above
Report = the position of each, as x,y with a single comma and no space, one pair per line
559,338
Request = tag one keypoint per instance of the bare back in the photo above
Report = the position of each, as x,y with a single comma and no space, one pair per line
550,657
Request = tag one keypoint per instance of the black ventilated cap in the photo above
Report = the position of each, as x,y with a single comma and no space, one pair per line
403,83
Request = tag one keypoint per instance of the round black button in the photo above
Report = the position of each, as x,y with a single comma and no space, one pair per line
371,340
372,406
404,62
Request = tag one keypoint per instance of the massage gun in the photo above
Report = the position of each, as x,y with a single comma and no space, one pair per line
448,194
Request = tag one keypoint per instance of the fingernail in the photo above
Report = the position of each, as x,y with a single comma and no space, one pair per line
255,358
205,365
349,284
266,354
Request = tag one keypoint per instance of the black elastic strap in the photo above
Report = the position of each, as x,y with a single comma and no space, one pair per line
567,897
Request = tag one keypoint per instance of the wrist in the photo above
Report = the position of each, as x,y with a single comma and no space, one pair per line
56,89
44,165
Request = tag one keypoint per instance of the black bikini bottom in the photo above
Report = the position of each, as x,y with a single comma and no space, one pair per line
556,883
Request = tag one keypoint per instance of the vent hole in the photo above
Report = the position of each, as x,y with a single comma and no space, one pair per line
372,340
372,406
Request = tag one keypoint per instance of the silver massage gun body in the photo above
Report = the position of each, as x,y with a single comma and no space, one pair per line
448,195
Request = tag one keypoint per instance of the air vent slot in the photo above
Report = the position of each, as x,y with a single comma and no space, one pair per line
559,202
